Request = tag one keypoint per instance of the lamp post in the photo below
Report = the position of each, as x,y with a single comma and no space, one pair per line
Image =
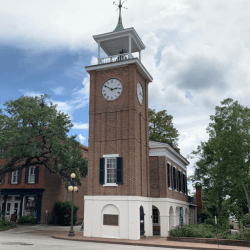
72,188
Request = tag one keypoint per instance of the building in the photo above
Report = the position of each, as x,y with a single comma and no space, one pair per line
135,186
34,190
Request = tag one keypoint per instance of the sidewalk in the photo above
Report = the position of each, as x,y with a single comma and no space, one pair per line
149,241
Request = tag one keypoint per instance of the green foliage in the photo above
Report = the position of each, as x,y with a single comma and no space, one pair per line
161,128
36,133
208,231
4,221
210,221
27,219
223,165
231,226
192,230
62,209
245,219
202,216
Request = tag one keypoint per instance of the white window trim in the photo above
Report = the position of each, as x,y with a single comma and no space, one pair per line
110,184
12,176
105,169
33,175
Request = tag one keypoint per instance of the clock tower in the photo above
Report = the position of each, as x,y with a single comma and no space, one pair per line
118,162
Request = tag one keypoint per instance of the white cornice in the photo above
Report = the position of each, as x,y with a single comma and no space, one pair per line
164,149
119,34
106,66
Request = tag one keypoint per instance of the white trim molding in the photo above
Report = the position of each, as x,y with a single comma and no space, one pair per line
164,149
110,156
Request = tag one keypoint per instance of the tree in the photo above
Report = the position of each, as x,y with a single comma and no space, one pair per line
34,133
223,163
161,128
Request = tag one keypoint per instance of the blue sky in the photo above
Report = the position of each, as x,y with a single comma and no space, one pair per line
196,51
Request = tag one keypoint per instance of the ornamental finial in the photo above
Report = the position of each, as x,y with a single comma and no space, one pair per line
119,25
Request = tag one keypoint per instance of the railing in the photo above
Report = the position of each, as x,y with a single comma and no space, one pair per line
115,58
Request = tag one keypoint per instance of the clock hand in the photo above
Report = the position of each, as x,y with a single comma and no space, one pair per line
108,87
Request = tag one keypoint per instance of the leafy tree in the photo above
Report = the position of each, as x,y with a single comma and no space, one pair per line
223,164
34,133
161,128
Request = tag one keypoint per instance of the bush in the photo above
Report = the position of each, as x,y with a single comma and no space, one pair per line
62,209
27,219
209,221
4,221
202,216
231,226
245,219
192,230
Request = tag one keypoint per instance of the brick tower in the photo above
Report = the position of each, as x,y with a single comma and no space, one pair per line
118,167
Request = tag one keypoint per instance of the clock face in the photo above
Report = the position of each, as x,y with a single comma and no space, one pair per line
111,89
140,93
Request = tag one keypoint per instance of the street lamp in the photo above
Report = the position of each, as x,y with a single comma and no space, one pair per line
72,188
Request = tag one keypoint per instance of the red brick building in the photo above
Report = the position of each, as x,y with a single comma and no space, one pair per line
135,186
34,190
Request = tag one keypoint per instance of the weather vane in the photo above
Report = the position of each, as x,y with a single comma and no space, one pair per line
120,5
119,25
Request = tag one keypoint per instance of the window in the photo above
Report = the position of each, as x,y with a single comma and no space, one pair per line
169,175
31,178
174,177
2,150
110,167
111,173
155,216
179,180
14,179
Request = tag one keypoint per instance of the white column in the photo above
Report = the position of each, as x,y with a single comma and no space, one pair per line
140,56
164,225
133,220
130,47
98,52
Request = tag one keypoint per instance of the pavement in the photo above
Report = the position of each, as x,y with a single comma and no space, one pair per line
59,232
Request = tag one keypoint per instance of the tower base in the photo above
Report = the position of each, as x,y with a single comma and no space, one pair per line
129,217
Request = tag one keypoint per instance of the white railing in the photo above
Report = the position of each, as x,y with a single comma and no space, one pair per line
115,58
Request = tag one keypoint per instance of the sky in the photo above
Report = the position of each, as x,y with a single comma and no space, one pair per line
196,51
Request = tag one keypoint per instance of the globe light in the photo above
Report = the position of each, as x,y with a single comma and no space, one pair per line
73,175
75,188
70,188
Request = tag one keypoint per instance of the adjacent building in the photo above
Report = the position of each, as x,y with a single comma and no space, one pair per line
34,190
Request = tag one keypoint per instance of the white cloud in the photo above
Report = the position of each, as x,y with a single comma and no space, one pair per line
196,51
80,125
94,60
82,138
58,90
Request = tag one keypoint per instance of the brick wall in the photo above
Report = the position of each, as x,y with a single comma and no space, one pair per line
119,127
55,191
23,184
159,180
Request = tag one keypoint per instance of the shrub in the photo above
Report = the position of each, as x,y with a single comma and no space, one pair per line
4,221
62,209
202,216
192,230
245,219
209,221
27,219
231,226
